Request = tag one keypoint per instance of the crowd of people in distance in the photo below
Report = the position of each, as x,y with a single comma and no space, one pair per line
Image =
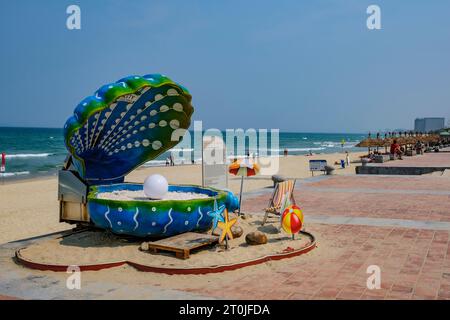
397,151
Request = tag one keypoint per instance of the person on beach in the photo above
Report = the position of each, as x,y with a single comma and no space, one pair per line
396,149
285,152
419,147
347,158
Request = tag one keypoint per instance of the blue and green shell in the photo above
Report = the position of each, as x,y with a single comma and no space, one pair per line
125,124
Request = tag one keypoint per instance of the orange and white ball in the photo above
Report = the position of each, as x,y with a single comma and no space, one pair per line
292,219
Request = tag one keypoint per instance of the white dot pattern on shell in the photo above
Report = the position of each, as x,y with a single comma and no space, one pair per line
156,145
174,124
107,139
117,137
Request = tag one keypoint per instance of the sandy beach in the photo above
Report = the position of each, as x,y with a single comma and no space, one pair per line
29,208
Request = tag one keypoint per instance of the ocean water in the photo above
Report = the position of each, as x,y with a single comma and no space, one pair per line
34,152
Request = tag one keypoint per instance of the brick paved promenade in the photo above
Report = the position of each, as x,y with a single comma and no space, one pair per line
431,159
414,262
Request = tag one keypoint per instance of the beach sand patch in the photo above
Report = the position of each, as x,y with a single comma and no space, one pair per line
91,247
139,195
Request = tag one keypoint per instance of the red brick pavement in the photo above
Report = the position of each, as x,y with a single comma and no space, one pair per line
415,264
432,159
374,205
345,200
385,182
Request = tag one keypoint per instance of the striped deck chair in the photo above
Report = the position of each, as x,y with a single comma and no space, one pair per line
275,202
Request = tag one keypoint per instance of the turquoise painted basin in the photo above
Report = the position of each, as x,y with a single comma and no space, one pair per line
162,218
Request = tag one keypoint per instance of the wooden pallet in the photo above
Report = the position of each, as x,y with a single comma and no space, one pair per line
183,244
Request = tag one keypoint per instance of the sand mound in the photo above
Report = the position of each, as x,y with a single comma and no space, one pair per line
100,247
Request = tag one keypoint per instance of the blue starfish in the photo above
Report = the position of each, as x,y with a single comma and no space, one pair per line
216,214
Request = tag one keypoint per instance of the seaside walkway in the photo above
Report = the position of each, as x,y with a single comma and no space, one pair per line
399,223
416,165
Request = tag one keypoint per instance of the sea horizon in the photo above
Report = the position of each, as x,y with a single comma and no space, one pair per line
222,130
34,152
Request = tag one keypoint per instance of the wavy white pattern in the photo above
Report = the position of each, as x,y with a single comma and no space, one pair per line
171,220
135,220
201,216
106,217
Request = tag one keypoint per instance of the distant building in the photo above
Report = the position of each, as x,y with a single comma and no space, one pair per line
428,124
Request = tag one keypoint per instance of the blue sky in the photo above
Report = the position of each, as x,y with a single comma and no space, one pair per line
293,65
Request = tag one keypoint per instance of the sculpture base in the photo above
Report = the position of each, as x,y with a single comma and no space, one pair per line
96,250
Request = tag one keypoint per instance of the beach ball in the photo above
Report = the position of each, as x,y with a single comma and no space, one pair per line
292,219
155,186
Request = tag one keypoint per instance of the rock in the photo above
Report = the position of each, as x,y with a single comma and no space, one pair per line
329,169
237,231
277,178
365,161
255,238
144,246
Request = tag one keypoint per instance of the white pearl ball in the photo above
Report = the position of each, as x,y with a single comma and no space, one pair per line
155,186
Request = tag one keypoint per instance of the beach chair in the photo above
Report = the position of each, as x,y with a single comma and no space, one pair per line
275,202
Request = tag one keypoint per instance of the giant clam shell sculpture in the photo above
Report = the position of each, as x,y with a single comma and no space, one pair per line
126,123
121,126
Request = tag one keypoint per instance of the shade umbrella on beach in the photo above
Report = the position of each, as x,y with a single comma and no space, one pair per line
427,139
370,143
387,142
411,140
402,141
366,143
244,169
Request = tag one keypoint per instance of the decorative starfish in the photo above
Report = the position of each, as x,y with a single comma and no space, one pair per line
226,227
216,214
